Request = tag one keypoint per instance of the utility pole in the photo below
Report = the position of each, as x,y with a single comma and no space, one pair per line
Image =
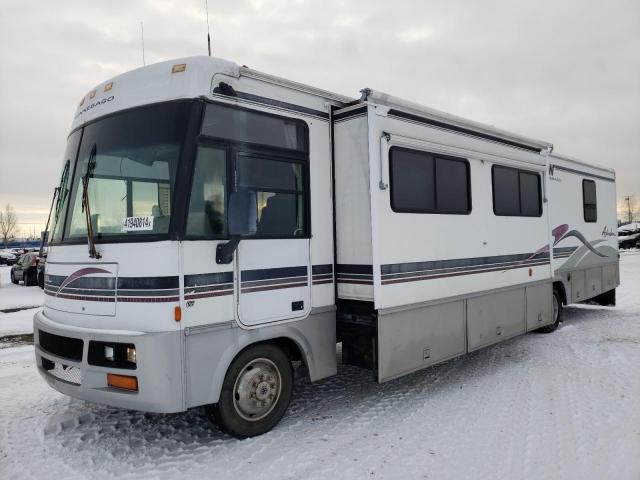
628,199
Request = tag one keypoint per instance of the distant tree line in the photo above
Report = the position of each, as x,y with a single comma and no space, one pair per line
8,224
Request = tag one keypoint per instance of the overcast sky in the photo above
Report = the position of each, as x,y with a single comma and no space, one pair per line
567,72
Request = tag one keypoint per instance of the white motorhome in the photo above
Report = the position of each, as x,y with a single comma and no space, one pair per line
238,222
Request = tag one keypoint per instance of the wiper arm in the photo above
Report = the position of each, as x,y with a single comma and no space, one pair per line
45,235
57,193
86,208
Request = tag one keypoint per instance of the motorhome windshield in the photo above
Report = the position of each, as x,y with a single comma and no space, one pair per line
131,187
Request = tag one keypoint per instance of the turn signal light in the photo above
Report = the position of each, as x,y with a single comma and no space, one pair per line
177,314
124,382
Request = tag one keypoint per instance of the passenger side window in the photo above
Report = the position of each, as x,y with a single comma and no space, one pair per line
207,203
516,193
423,182
589,201
280,191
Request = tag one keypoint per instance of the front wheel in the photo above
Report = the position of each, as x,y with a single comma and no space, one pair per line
557,314
256,392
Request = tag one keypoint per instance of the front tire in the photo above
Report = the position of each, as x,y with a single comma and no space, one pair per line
557,314
256,392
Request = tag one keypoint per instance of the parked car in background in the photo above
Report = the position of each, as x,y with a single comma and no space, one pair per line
7,257
26,269
629,235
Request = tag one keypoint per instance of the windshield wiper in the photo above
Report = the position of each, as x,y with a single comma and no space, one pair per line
45,235
57,193
91,165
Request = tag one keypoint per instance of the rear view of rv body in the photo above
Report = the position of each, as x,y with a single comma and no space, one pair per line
242,221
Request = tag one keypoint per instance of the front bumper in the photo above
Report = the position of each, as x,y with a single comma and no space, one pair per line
158,369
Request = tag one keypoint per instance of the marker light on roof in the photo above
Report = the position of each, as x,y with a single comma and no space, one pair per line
81,102
108,86
92,94
180,67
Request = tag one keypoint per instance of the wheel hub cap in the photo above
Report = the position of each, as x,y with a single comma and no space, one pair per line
257,389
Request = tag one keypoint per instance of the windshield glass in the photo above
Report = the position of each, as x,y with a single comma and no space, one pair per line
135,156
65,180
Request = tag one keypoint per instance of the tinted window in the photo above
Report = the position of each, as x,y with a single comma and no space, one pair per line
506,191
412,179
267,174
424,183
280,191
589,202
207,202
254,127
516,192
452,194
529,194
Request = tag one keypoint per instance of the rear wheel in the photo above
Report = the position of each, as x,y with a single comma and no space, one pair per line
256,392
13,279
557,314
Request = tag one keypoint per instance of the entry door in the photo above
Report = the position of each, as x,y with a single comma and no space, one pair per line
273,266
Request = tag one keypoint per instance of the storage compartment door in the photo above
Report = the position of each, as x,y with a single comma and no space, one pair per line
495,317
413,339
577,286
539,306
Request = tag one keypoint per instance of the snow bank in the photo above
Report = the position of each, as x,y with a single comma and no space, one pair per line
16,296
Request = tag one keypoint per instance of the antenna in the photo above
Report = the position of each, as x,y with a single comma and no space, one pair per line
142,38
206,6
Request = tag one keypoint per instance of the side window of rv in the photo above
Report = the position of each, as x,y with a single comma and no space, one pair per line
423,182
280,191
253,127
207,202
516,193
589,201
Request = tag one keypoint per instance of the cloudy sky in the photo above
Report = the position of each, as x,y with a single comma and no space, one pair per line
563,71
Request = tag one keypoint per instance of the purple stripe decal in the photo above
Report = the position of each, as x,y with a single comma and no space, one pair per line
455,274
81,273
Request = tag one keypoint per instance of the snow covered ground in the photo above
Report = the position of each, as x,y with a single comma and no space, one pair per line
17,297
561,406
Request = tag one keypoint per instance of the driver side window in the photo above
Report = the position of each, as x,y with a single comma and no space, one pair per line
280,192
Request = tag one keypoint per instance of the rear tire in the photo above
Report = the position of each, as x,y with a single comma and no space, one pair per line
13,279
557,314
256,392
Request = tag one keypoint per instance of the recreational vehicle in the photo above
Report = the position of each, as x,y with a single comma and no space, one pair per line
214,224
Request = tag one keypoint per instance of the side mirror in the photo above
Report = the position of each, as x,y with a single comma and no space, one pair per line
243,222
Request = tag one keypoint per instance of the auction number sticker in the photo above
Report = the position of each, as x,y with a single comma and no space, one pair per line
137,224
